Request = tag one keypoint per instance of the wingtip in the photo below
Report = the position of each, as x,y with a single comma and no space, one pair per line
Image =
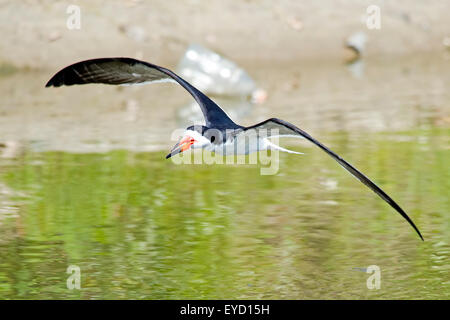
50,83
416,229
418,232
55,83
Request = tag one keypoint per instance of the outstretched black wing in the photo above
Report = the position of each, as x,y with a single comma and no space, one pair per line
286,128
121,71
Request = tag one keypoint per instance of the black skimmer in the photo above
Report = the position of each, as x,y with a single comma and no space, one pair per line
219,130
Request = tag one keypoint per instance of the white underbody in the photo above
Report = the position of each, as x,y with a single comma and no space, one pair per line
241,144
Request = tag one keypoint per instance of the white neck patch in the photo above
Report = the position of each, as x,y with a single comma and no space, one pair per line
200,141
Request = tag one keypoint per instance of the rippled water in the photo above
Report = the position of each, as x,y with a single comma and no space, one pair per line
139,226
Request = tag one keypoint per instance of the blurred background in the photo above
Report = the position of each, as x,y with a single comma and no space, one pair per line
83,180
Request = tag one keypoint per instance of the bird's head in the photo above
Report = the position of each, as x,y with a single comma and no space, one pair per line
195,137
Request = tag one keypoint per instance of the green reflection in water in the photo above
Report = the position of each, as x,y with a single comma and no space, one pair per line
139,226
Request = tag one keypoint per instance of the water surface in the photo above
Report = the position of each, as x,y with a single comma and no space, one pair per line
84,183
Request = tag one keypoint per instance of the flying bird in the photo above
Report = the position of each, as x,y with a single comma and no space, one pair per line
220,133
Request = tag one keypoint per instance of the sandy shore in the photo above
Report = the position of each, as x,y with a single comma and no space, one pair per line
35,35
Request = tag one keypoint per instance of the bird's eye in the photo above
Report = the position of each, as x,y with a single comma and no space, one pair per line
213,138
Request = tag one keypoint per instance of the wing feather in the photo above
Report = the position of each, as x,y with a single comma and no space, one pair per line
128,71
286,128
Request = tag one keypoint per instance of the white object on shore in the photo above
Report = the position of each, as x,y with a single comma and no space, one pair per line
357,42
214,74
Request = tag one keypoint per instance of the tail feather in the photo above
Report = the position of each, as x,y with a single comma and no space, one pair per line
271,145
